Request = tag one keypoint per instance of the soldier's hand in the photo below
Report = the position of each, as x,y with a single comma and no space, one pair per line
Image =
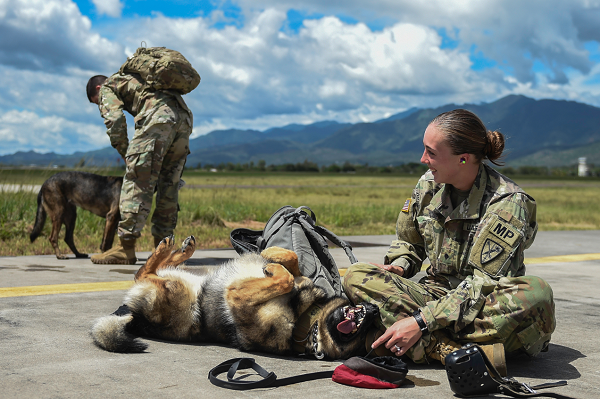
391,268
400,337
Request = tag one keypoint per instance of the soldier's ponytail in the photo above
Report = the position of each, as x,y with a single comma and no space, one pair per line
466,133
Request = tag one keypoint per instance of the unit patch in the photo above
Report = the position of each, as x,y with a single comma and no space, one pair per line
490,250
495,242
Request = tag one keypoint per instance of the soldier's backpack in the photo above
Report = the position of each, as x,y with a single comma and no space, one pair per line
162,69
296,229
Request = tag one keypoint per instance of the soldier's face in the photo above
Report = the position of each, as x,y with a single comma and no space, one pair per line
438,156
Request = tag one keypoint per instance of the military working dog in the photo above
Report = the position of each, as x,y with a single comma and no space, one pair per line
258,302
63,192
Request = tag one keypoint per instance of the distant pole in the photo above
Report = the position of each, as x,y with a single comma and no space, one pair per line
583,169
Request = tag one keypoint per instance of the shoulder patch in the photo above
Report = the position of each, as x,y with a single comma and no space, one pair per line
406,207
490,250
505,231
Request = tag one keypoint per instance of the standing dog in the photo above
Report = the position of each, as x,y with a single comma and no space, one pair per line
63,192
255,302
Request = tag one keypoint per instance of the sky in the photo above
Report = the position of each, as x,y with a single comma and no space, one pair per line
269,63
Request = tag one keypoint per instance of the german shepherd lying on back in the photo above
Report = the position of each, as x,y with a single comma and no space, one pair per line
63,192
255,302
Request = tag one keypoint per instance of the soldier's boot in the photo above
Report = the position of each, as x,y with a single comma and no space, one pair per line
381,350
441,346
122,254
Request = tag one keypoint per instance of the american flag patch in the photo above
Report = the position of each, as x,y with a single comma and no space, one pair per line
406,206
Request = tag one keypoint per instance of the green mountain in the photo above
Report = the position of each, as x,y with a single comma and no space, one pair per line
538,133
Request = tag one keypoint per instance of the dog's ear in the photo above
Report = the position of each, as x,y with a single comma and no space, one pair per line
284,257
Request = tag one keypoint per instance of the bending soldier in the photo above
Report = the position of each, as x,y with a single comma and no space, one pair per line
154,158
473,224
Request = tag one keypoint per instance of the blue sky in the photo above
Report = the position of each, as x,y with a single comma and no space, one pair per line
268,63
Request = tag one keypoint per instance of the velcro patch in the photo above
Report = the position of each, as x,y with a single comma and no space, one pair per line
505,231
490,250
406,207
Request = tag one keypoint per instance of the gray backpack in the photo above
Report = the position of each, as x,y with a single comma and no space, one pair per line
296,230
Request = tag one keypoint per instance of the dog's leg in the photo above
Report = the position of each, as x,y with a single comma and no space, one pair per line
112,220
69,218
182,254
163,257
156,260
284,257
254,291
56,217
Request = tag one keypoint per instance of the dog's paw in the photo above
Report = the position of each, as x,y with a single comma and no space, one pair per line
165,245
284,257
268,270
189,244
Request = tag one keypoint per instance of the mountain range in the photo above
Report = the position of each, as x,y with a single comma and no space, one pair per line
538,132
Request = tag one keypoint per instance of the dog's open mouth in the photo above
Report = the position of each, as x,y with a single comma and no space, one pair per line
353,318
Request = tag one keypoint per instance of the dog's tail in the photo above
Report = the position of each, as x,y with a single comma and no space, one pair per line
110,333
40,218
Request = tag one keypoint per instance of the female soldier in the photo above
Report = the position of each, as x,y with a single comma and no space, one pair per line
473,224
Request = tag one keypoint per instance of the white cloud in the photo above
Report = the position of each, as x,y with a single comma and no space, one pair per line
50,36
25,130
112,8
259,74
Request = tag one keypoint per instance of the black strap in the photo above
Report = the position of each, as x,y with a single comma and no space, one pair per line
516,389
269,378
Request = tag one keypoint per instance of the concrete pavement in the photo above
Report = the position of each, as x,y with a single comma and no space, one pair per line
47,307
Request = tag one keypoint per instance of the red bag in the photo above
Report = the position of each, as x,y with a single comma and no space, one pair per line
378,373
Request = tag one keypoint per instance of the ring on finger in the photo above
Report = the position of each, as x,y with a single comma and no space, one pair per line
397,348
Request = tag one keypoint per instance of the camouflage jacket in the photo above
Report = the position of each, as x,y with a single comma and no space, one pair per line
488,231
130,93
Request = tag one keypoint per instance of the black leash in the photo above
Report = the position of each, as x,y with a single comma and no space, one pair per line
269,379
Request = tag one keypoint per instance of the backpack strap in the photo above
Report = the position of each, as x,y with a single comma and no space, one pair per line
337,241
312,214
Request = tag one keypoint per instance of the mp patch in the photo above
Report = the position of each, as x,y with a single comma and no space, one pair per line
490,250
505,231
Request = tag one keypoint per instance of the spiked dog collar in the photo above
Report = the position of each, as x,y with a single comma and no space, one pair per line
305,327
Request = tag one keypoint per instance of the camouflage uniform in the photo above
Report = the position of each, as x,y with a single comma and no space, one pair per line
475,289
156,155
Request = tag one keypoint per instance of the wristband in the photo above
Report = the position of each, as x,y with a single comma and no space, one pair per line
420,321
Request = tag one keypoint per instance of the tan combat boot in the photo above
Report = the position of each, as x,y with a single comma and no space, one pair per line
441,346
122,254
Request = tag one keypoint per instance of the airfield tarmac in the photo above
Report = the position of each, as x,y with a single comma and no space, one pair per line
47,307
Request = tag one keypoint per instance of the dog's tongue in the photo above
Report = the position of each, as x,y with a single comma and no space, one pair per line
346,326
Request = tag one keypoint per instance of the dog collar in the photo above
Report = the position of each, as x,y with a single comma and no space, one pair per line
304,328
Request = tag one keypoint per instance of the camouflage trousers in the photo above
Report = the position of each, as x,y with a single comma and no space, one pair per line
515,311
155,159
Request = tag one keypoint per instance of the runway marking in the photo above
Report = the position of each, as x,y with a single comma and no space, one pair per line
562,258
534,261
64,288
124,285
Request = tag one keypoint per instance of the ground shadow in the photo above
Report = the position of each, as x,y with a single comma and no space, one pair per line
552,365
206,261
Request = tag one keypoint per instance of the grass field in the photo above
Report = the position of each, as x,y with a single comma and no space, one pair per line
212,204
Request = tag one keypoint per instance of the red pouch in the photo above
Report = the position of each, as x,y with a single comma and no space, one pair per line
378,373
